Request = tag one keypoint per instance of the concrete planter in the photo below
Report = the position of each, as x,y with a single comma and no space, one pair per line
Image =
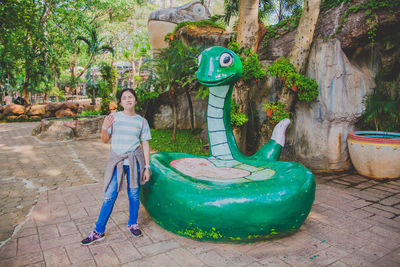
375,154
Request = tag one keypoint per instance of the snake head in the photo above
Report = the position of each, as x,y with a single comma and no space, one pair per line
218,66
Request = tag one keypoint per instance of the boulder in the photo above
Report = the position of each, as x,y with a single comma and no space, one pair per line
13,109
53,107
113,106
70,105
22,117
85,107
90,127
66,130
36,110
59,132
36,130
71,123
65,113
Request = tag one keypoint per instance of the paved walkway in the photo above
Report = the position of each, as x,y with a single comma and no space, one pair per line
354,221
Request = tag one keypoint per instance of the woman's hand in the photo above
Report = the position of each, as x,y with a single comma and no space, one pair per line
108,122
146,175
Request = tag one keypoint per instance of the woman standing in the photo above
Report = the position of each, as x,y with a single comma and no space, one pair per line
127,158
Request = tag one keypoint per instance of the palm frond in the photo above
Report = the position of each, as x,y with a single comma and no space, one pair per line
105,48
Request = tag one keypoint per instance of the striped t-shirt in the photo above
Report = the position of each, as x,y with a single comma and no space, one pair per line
127,133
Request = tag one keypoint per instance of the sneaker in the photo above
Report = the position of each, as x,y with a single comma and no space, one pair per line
93,237
135,230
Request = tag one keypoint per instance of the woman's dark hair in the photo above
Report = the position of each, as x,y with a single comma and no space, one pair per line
123,91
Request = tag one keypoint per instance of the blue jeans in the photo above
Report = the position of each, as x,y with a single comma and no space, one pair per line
111,195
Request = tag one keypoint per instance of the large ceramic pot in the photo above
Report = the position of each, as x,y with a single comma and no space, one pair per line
375,154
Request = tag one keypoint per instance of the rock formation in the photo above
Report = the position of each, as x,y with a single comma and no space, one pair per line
163,116
344,64
319,133
164,21
60,130
344,67
58,110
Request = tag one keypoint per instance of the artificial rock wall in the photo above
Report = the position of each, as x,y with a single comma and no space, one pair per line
163,117
318,135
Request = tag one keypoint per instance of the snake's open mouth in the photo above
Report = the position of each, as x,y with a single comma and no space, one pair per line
215,83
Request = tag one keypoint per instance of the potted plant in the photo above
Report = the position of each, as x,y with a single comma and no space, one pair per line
291,81
269,107
376,154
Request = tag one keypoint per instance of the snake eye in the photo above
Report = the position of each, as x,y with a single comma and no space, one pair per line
225,60
199,60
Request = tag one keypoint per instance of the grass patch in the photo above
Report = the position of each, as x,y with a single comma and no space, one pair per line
18,120
186,141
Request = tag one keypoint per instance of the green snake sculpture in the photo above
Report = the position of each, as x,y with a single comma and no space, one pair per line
228,197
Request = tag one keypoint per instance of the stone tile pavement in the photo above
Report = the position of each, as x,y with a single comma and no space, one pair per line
29,166
354,220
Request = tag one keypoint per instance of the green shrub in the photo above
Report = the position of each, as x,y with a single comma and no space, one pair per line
200,23
382,109
307,89
186,142
252,69
278,111
281,68
284,70
238,119
19,119
90,113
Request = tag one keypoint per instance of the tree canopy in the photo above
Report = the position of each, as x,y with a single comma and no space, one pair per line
39,39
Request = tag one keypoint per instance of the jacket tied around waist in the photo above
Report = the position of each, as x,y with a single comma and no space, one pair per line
117,161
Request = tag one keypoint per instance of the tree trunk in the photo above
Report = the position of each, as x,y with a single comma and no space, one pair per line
305,34
27,69
91,83
301,46
248,23
248,35
242,98
86,67
26,85
132,73
189,99
55,75
172,98
72,68
93,96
